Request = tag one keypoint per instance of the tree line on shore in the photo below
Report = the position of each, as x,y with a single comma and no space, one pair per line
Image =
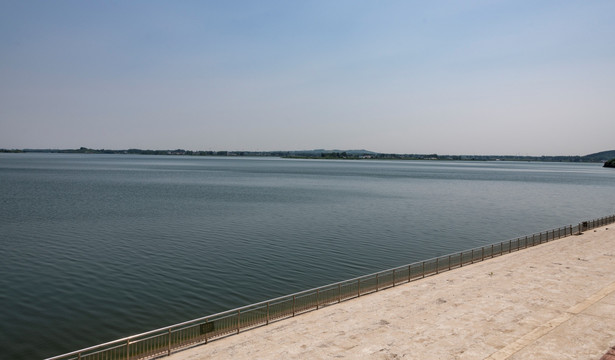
603,156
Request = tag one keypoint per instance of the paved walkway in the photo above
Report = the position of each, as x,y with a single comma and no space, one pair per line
553,301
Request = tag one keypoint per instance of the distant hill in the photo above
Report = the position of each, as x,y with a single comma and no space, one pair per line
316,153
599,156
323,151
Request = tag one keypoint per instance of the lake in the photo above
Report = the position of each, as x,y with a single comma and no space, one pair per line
98,247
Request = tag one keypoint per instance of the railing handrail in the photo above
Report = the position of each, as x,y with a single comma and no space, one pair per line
127,339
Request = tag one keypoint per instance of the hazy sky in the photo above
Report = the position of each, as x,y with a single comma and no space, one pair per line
446,77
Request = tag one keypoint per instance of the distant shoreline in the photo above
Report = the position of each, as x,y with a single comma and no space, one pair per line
600,157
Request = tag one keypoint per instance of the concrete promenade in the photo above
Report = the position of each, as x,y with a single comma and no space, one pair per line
552,301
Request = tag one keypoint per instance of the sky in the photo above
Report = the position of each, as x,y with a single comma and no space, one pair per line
414,77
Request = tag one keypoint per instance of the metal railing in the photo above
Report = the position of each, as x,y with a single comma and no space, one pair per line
164,341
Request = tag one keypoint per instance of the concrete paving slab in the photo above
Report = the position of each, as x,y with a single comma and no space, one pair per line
582,337
553,301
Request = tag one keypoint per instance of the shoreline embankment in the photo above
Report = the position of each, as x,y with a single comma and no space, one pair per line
553,301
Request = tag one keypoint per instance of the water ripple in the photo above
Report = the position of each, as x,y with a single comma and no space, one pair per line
96,248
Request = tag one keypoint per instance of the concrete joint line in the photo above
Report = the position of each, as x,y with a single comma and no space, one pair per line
592,299
551,325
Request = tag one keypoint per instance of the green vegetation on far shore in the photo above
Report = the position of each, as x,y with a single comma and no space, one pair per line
334,154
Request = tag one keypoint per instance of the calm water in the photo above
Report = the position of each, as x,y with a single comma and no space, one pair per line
97,247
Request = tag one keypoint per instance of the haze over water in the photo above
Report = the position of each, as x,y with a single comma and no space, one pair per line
98,247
